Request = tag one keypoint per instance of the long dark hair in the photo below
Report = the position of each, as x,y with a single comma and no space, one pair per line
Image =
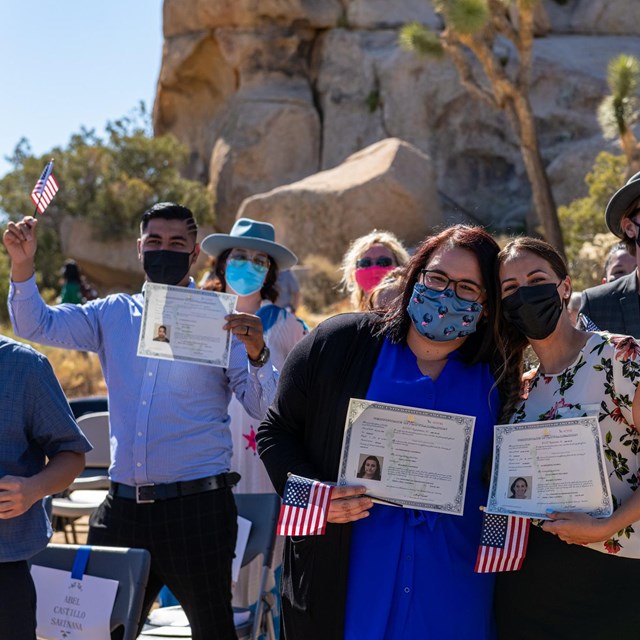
378,473
511,341
268,291
479,346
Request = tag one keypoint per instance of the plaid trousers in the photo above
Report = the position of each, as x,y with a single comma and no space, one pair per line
191,540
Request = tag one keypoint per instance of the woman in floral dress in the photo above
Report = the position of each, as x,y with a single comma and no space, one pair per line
580,573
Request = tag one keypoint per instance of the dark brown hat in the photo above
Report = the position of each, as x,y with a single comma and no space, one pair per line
620,202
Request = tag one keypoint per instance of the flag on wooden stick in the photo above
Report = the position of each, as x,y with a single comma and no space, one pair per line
45,188
304,507
503,544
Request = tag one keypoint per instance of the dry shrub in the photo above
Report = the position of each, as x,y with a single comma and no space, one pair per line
319,284
79,373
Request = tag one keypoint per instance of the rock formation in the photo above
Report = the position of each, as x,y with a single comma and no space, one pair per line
268,92
390,184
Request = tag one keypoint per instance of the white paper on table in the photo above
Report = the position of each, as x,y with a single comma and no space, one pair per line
244,528
72,609
192,321
561,462
424,455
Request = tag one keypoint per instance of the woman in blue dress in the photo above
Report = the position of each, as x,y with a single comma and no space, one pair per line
382,572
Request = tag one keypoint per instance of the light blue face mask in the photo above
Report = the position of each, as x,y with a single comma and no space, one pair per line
442,315
244,277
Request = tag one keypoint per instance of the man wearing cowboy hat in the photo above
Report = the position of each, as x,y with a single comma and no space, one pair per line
615,306
171,445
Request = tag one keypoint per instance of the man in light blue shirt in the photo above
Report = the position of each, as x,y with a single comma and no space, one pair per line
170,439
41,452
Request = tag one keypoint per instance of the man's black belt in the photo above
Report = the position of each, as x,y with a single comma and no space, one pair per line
148,493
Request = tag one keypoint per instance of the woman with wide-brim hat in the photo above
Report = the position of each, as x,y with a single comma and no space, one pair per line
247,263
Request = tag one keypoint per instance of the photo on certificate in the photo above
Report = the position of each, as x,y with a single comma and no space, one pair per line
407,457
185,324
554,464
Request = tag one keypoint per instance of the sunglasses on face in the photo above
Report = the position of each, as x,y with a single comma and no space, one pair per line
258,261
365,263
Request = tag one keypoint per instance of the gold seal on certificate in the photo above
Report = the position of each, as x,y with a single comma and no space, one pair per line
407,457
555,464
182,323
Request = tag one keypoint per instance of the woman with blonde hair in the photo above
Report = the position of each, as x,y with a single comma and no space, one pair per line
368,260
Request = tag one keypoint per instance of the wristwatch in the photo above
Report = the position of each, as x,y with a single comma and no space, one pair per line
263,358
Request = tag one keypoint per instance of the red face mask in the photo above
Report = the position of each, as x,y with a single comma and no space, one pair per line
369,277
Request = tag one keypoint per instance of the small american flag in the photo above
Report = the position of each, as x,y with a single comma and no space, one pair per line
304,507
45,188
503,544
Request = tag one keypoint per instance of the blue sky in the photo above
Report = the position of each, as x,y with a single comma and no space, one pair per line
72,63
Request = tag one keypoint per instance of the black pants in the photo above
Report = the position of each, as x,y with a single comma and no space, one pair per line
17,602
191,541
567,592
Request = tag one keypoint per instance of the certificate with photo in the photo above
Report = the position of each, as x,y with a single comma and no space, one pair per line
555,464
407,457
185,324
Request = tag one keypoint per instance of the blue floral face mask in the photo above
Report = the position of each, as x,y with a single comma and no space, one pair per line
442,315
244,277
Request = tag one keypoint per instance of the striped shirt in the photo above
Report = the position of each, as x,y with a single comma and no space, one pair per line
169,420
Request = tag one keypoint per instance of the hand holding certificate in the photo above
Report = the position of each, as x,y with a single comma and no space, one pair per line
556,464
186,324
406,456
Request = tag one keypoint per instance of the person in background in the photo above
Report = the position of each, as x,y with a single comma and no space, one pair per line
436,348
615,306
289,296
247,262
574,563
41,452
367,261
71,291
619,263
386,291
171,447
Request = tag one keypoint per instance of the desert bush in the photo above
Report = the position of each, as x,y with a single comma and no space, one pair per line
587,239
79,373
319,283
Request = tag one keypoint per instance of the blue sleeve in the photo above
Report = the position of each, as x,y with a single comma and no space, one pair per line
49,419
67,325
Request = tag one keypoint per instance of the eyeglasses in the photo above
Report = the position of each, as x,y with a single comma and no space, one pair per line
465,289
259,262
382,261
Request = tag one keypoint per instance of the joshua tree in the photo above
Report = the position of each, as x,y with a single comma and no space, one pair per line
620,111
473,28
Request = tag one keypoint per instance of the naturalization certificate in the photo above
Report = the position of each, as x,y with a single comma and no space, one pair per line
182,323
555,464
407,457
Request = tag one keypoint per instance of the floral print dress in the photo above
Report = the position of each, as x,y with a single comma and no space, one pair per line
601,382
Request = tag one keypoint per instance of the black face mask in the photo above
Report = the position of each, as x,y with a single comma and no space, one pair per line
534,310
166,267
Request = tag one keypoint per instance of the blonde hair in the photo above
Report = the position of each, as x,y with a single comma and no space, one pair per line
357,248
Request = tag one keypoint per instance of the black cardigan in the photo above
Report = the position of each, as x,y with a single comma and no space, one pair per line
302,434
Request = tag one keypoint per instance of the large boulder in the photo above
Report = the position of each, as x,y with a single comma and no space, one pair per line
194,88
389,185
186,16
601,17
382,14
270,133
